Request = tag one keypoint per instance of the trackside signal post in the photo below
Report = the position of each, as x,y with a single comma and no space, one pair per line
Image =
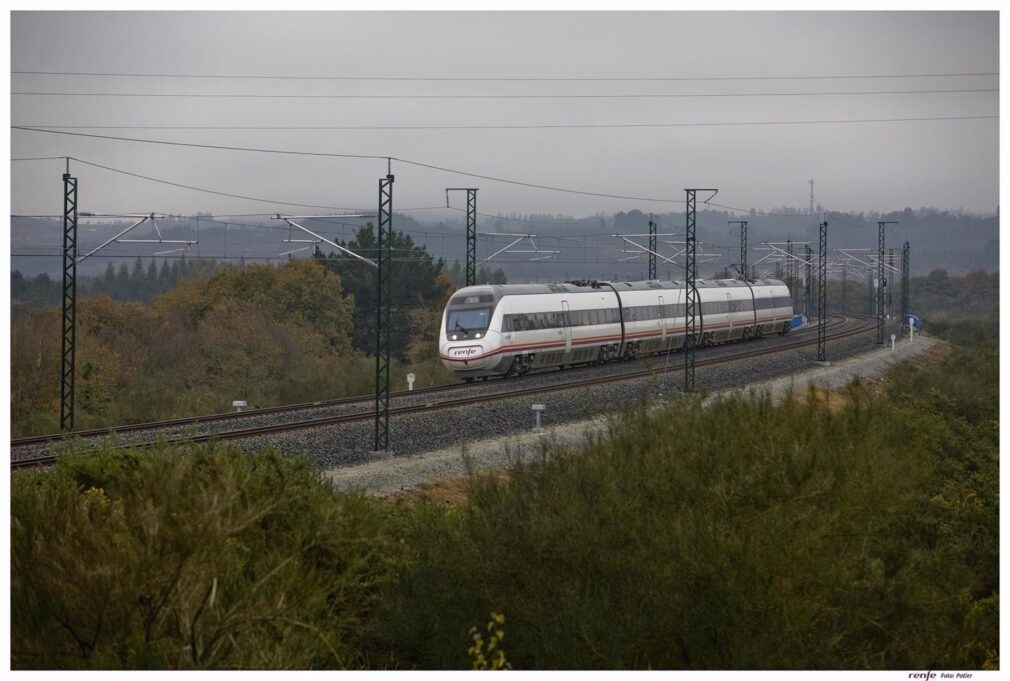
471,230
69,334
693,304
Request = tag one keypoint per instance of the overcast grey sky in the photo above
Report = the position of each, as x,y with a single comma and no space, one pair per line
858,166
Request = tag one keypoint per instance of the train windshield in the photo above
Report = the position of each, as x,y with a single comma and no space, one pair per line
468,321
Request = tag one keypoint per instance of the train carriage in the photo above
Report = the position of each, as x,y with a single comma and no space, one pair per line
510,329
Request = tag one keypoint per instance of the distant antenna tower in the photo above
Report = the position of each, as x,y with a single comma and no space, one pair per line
811,196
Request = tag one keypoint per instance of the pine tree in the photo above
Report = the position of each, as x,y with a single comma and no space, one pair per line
164,276
121,289
151,281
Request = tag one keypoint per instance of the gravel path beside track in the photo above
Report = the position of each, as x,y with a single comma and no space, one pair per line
470,441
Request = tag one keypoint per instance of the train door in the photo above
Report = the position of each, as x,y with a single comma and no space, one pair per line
729,314
662,320
566,317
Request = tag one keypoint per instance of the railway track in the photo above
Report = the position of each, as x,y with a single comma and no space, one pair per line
800,339
225,417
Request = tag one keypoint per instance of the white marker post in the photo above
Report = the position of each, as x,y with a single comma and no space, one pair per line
238,404
892,340
410,381
539,409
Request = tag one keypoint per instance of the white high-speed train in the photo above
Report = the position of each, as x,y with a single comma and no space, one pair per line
508,330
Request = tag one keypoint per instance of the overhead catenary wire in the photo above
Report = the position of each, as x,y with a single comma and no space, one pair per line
323,154
549,79
204,190
531,126
639,95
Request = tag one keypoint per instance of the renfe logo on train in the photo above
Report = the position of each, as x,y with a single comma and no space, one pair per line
468,351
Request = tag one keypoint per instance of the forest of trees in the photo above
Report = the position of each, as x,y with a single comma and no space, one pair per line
483,275
295,332
121,283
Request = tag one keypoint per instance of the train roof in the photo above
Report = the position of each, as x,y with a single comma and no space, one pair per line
500,290
582,287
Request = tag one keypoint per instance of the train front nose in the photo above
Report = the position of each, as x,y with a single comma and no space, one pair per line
466,355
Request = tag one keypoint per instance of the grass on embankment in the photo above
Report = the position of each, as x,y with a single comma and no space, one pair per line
738,536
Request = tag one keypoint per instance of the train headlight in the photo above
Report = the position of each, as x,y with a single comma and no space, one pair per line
454,337
477,335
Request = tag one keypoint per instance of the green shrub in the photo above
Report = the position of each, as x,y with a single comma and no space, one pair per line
192,558
738,536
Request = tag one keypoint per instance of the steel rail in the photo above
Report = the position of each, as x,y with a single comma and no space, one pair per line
227,416
51,459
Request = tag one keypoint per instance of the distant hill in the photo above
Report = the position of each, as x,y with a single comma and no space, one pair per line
956,242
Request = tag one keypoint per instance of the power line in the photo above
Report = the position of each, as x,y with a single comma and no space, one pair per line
206,191
500,79
328,154
536,126
205,146
651,95
533,185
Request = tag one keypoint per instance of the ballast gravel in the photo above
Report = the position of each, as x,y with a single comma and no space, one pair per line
364,404
349,444
383,477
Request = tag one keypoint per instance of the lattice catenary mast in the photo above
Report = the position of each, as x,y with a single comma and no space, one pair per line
471,230
692,303
68,370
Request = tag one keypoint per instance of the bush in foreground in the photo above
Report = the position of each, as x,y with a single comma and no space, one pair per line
189,559
737,536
